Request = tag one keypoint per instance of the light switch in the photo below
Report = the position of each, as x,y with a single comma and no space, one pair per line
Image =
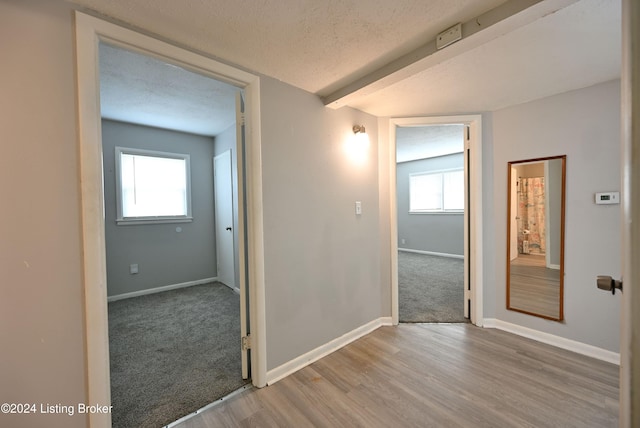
133,269
607,198
358,207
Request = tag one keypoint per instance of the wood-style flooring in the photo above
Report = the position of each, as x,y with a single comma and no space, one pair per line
533,287
432,375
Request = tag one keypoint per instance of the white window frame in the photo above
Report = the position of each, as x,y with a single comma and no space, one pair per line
442,210
120,219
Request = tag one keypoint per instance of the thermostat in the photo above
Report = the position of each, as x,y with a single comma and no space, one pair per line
606,198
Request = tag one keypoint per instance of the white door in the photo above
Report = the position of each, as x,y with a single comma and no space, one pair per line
467,237
223,189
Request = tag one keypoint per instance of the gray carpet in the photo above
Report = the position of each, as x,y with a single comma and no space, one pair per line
172,353
430,288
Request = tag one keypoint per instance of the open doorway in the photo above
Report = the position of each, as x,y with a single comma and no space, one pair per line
430,180
472,215
174,316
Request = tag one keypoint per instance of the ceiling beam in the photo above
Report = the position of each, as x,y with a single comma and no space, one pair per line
497,22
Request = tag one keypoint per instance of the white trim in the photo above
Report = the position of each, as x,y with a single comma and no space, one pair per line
160,289
90,31
475,262
556,267
314,355
432,253
557,341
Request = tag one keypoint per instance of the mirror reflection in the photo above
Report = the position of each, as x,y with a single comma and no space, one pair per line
535,237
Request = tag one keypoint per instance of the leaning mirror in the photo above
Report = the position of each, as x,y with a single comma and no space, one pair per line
535,237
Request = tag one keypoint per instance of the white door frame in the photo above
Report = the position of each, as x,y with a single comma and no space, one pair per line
630,318
475,221
90,31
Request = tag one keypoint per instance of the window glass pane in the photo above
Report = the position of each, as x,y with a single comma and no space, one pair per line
153,186
425,192
454,190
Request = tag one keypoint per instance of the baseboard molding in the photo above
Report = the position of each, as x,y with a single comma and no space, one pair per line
160,289
551,339
304,360
432,253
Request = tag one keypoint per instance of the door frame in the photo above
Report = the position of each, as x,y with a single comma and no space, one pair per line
630,230
90,31
474,221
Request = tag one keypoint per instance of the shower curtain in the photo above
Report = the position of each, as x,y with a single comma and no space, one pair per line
531,211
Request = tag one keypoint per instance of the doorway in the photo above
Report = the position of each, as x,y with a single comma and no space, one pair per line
472,217
90,30
174,314
430,168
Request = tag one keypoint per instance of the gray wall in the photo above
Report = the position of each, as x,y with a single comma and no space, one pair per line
322,262
584,125
441,232
165,256
42,326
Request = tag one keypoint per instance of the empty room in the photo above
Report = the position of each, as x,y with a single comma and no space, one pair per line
322,94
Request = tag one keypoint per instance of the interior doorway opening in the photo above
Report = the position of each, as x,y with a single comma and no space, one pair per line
430,180
174,316
472,212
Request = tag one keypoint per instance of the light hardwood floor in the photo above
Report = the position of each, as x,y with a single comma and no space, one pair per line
432,375
534,287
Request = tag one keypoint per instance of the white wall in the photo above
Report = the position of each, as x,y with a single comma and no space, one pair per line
584,125
322,261
41,292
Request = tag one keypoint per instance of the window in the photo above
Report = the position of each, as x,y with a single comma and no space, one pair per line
152,187
436,192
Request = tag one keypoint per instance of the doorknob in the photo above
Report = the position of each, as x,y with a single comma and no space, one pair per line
607,283
228,228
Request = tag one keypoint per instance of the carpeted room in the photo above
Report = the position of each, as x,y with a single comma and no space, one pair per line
430,214
176,350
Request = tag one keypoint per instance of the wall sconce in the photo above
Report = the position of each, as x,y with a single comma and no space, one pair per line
357,129
358,146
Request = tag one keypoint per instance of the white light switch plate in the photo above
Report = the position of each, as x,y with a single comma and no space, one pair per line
358,207
607,198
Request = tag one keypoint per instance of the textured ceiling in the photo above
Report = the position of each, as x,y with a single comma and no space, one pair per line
420,142
325,43
573,48
322,46
140,89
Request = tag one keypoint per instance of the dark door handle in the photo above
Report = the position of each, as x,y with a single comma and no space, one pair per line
228,228
609,284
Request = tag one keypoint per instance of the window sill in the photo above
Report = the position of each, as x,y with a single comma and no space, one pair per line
152,220
436,212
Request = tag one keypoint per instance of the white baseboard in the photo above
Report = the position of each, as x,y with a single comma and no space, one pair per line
432,253
551,339
160,289
304,360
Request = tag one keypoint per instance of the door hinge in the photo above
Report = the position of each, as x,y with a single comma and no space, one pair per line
246,342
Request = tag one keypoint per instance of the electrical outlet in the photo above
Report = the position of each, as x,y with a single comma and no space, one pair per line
133,269
403,241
